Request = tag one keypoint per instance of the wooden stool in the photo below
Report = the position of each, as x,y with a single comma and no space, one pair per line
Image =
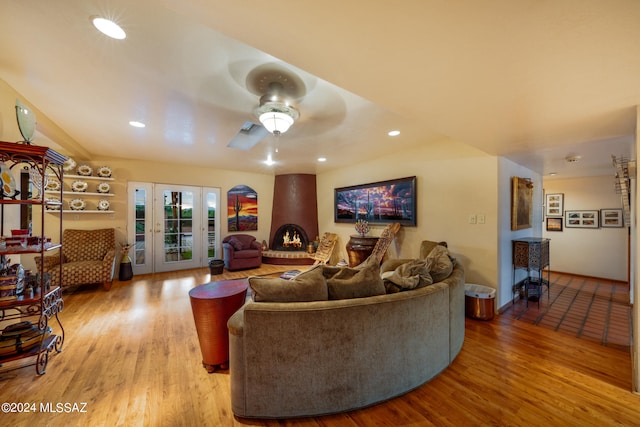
212,305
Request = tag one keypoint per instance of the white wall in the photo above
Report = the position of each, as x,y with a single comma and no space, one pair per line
508,169
600,252
454,181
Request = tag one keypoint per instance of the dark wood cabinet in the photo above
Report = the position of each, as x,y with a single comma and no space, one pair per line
359,248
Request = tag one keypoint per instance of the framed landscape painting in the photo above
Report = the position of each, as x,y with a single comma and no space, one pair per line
611,218
378,202
554,224
582,219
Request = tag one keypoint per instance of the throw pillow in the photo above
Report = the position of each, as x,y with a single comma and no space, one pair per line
361,282
439,263
306,286
410,275
237,244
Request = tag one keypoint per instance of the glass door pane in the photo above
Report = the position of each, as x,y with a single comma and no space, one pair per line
211,201
179,217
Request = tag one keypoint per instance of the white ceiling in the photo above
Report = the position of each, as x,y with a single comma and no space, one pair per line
534,81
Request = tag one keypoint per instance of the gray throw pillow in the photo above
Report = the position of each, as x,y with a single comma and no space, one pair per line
439,264
309,285
361,282
410,275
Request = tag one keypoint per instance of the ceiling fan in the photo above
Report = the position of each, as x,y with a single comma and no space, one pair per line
278,89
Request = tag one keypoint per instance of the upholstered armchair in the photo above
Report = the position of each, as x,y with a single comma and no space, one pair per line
241,251
89,256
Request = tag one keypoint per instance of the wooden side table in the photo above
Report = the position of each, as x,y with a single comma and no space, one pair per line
359,248
212,305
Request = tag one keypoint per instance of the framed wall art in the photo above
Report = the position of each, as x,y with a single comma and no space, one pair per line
554,204
521,203
582,219
378,202
611,218
554,224
242,209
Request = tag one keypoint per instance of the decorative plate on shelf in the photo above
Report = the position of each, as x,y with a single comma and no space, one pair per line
69,165
55,207
8,182
79,186
85,170
104,172
53,185
103,205
103,187
77,204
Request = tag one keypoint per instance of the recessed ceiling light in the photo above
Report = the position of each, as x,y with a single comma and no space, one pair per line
322,159
269,161
109,28
136,124
394,133
572,159
552,173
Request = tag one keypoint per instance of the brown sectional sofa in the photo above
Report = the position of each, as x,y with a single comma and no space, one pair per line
297,359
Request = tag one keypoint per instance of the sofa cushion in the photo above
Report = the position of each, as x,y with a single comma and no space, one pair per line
237,244
439,263
306,286
410,275
361,282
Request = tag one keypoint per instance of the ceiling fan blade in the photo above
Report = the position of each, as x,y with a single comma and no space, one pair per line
248,136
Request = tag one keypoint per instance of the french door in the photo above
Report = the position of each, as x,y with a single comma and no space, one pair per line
174,227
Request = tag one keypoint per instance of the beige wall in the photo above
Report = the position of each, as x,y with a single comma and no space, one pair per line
454,181
598,252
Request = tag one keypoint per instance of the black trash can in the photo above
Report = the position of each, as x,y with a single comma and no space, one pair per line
216,266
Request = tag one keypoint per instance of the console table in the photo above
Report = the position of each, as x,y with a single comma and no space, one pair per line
531,254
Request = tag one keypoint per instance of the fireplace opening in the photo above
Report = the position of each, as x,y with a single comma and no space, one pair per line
290,237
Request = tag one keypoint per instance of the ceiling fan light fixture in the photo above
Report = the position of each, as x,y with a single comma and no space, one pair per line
276,117
276,122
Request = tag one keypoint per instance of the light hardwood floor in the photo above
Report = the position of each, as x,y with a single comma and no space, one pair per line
132,355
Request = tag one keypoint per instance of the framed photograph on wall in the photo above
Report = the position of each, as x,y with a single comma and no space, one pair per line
582,219
554,204
381,202
611,218
554,224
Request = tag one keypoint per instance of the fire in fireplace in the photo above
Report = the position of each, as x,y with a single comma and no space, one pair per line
290,237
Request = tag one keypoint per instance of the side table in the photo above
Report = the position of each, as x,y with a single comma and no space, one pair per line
212,305
359,248
532,254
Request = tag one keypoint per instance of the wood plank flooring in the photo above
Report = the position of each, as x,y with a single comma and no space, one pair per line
132,355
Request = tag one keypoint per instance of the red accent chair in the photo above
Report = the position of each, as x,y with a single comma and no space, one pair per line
241,251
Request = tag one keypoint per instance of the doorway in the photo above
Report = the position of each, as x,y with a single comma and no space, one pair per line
173,227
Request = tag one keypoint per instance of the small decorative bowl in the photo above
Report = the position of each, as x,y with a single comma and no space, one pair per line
103,205
69,165
103,187
85,170
104,172
77,204
79,186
